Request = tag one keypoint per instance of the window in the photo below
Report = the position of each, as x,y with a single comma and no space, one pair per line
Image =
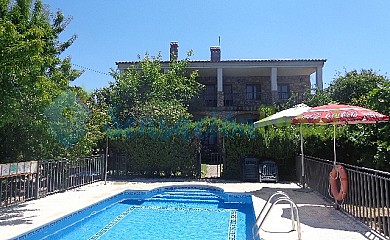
283,91
253,92
228,95
210,96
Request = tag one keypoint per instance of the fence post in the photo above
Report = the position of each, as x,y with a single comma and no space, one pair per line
37,179
105,165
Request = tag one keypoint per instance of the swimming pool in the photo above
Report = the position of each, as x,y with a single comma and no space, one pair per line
177,212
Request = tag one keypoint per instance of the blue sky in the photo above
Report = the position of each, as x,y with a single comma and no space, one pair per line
349,34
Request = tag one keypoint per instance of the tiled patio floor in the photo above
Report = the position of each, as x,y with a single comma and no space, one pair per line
319,220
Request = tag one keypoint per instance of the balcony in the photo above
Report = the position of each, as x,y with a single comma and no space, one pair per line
240,101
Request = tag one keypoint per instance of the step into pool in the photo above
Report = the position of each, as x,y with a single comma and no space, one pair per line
176,212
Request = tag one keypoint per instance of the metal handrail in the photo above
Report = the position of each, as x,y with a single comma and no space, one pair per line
293,206
268,201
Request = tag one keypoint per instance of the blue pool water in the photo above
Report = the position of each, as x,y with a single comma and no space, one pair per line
182,212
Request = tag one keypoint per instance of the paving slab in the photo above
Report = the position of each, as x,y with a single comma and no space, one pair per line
319,220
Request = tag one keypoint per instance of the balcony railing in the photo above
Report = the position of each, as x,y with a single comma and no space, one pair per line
239,101
368,197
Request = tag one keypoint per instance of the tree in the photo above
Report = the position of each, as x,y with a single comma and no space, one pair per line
32,77
377,136
354,85
145,92
72,126
31,71
368,145
320,97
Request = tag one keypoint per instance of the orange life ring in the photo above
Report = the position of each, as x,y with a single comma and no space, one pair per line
338,171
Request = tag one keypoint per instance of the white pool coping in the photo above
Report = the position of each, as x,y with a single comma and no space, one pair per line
319,220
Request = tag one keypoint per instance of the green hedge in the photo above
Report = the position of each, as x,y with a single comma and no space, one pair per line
277,144
160,150
151,153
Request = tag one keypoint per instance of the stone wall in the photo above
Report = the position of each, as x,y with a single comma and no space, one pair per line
297,84
243,108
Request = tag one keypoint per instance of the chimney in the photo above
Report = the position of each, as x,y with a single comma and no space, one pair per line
174,51
215,54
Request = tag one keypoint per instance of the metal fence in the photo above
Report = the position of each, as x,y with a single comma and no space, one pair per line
118,166
51,176
368,197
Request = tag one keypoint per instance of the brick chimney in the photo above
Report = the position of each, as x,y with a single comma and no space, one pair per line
174,51
215,54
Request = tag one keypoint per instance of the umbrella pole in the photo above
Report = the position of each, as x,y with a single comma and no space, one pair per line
334,144
302,158
303,179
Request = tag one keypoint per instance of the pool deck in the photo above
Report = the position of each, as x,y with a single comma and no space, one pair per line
319,220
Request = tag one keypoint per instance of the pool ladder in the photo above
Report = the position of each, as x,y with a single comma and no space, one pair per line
283,197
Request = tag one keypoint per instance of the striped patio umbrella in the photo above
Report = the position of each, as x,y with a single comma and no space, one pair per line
337,114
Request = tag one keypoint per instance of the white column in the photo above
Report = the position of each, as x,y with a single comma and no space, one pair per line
274,85
319,83
220,98
274,79
219,80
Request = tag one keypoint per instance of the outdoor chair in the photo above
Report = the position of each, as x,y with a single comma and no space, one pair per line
268,171
250,168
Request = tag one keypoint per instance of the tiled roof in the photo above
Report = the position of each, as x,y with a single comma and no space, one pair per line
238,60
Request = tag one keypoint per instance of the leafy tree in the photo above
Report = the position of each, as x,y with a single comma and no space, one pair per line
351,88
376,137
371,90
86,123
320,97
266,110
31,71
354,85
146,92
366,145
32,78
379,98
72,126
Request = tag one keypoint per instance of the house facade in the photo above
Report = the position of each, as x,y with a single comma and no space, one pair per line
234,89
